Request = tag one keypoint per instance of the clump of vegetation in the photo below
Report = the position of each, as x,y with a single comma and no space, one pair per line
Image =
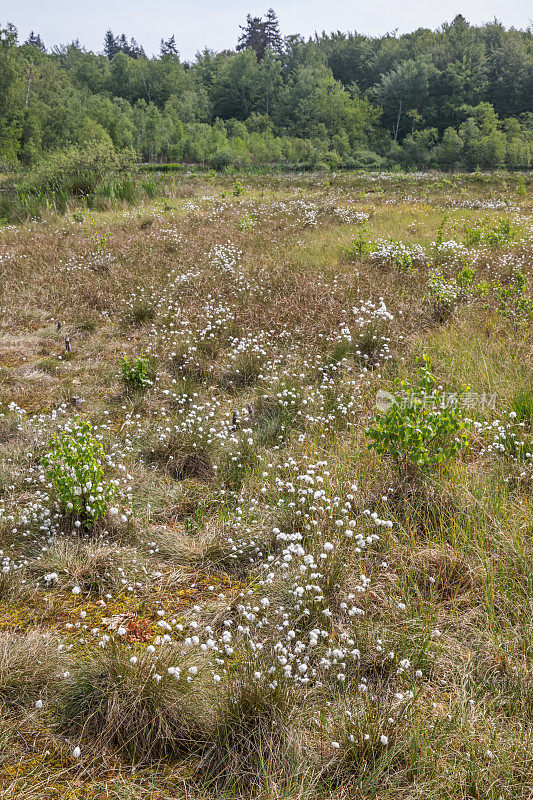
246,222
253,735
137,374
238,464
513,299
486,234
244,370
183,455
28,665
142,707
443,294
360,245
78,169
74,465
141,314
422,427
93,567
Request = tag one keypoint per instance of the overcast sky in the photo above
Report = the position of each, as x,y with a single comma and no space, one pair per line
215,23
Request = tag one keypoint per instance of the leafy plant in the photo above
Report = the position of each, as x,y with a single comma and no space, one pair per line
74,465
419,429
513,300
97,240
443,294
487,235
137,374
238,189
246,222
78,169
465,278
360,245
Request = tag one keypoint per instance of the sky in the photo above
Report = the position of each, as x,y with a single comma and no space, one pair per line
215,23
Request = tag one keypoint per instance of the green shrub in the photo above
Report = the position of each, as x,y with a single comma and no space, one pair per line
360,245
419,429
238,189
78,169
513,300
221,159
487,235
74,465
137,374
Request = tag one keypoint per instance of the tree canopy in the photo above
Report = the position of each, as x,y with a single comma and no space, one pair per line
457,97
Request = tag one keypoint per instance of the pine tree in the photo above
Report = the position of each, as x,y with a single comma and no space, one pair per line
34,40
261,34
111,47
273,39
253,36
169,48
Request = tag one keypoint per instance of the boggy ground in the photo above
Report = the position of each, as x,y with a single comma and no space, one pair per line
268,608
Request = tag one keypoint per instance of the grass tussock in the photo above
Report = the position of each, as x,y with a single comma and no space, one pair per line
134,705
28,665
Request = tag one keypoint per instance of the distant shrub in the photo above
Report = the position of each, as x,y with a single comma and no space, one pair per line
513,299
221,159
360,245
77,170
487,235
364,159
170,167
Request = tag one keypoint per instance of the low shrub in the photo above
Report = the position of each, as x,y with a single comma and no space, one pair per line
74,465
419,429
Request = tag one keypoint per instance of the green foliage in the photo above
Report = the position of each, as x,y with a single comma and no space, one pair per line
523,407
490,235
78,169
443,293
98,240
360,245
137,374
465,278
403,256
337,101
421,428
74,465
238,189
246,222
513,300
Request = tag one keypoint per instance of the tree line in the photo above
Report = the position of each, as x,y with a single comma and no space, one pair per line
459,97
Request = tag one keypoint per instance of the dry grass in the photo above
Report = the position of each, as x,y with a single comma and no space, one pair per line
234,468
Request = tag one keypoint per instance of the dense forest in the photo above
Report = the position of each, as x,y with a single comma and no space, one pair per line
460,97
